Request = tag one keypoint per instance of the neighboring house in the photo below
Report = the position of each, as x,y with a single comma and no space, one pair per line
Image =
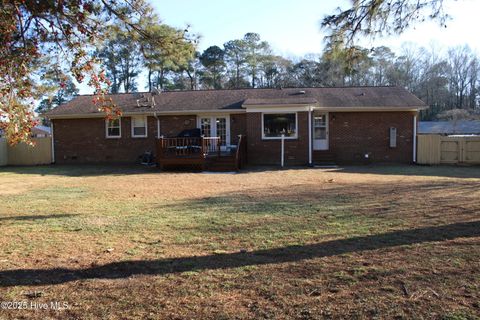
458,127
345,125
37,132
40,132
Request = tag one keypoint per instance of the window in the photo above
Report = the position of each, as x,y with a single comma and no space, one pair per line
276,124
139,127
320,127
221,124
205,127
114,129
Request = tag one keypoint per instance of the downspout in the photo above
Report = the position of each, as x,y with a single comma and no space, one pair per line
158,124
414,138
310,137
53,141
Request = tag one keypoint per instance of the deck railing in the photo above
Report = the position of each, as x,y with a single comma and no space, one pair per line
187,147
212,144
201,151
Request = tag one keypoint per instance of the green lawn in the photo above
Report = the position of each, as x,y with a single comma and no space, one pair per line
355,242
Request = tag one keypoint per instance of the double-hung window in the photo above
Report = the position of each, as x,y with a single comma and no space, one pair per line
113,128
139,127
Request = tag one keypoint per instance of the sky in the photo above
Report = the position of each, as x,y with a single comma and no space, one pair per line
293,27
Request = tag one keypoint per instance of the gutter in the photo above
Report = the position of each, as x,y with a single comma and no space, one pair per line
369,109
126,114
244,110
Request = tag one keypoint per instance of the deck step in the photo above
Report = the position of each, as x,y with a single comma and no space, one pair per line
223,160
324,158
221,164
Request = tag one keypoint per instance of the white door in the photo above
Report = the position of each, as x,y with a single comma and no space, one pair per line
320,131
216,126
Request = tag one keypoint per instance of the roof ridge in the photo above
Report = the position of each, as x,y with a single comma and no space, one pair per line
240,89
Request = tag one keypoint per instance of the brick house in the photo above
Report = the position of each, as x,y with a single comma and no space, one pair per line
343,125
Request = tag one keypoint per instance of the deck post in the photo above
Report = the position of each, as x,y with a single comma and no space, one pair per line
237,153
204,148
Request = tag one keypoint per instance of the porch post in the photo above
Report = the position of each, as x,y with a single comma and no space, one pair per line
310,136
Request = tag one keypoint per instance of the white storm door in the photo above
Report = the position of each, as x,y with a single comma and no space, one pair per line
320,131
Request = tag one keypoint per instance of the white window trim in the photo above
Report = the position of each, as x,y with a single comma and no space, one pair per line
119,126
146,127
279,138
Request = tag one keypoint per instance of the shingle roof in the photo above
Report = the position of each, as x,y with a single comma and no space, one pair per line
449,127
280,101
216,100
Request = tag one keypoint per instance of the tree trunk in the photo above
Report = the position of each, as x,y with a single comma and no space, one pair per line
162,73
192,80
149,79
237,77
253,77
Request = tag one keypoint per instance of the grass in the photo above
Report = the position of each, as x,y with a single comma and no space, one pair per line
357,242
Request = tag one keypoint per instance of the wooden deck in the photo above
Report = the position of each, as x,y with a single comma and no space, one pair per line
204,153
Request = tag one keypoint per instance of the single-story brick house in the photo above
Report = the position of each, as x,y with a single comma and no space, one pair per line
344,124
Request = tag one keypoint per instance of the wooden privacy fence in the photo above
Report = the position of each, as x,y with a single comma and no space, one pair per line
3,152
438,149
24,155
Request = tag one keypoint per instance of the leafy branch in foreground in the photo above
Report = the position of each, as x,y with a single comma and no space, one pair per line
373,18
382,17
62,35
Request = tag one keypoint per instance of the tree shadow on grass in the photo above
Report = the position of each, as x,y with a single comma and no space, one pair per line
124,269
36,217
80,170
84,170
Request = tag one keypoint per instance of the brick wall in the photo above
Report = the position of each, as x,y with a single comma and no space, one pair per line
353,134
238,125
267,152
171,126
84,141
